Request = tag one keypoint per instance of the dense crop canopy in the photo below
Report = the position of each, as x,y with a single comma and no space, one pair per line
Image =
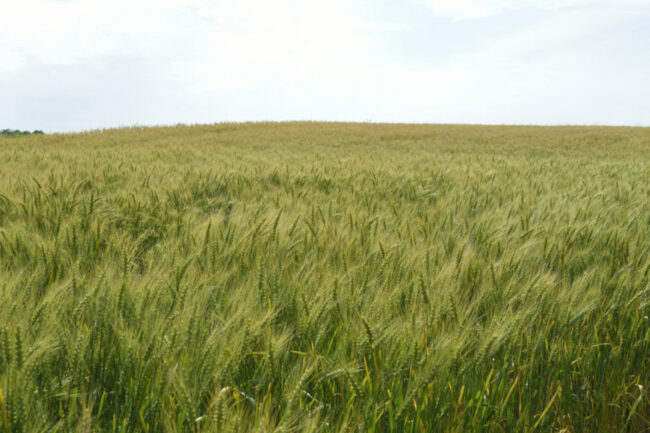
326,277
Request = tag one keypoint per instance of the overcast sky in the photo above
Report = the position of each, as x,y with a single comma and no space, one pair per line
70,65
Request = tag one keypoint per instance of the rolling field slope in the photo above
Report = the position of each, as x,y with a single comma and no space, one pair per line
326,277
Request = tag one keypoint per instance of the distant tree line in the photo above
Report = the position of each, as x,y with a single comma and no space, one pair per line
18,133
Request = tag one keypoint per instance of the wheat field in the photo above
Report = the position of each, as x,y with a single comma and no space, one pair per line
326,277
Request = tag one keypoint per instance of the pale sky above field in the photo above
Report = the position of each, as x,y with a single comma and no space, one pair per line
70,65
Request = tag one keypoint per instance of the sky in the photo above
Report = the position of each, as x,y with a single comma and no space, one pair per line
73,65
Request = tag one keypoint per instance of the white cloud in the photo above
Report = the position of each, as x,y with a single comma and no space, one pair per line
472,9
288,42
78,64
63,31
565,68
